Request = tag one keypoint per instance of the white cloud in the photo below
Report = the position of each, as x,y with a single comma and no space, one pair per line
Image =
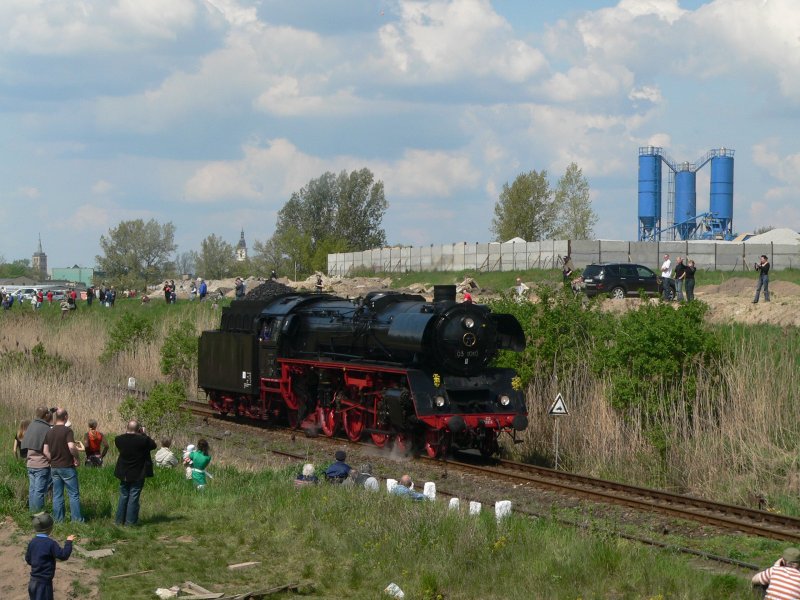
70,27
286,98
443,40
273,172
29,192
649,93
586,83
102,187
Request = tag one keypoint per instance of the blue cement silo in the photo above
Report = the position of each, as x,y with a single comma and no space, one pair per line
649,191
685,201
721,205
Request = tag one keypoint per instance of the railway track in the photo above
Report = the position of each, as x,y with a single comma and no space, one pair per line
724,516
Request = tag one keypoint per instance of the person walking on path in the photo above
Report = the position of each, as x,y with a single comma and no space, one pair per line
200,459
133,466
41,555
62,452
688,278
37,463
763,278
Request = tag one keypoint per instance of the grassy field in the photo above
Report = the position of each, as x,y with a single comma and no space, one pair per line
345,543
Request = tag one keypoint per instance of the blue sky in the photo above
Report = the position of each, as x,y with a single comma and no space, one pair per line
210,113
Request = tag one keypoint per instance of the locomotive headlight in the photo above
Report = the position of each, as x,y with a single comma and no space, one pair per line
439,400
468,323
505,400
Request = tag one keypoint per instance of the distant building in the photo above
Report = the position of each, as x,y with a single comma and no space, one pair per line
39,261
76,274
241,249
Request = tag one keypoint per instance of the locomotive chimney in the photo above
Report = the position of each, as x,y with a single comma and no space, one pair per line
444,293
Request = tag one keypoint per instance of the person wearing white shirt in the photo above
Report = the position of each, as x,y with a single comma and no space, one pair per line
666,278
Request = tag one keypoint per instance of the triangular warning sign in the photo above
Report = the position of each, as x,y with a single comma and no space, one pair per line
558,407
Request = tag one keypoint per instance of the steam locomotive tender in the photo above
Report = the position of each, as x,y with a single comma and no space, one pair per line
391,366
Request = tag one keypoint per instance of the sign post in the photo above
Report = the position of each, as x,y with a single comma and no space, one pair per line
557,409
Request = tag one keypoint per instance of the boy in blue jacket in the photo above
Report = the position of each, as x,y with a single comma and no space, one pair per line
41,556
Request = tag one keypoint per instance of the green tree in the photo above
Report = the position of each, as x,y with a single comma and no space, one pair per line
18,268
333,213
525,209
186,263
135,252
216,259
576,219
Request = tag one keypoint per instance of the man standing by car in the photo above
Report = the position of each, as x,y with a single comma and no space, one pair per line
666,277
133,465
61,450
680,274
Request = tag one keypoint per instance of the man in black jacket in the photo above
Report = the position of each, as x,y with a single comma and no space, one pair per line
133,465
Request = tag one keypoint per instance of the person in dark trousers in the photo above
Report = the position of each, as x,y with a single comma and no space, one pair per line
688,278
133,465
41,555
95,444
318,285
680,278
763,278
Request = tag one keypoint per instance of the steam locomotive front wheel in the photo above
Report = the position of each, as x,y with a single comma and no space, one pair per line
353,421
327,420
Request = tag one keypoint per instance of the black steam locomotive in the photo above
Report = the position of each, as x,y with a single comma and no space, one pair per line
391,366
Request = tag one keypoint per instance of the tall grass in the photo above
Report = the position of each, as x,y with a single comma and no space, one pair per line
734,438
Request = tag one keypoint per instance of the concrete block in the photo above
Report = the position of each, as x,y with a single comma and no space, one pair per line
474,508
454,504
429,490
502,508
390,483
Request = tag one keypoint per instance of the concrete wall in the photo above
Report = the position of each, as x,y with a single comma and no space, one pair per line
708,255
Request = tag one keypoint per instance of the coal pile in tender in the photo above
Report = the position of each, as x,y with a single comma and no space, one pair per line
268,290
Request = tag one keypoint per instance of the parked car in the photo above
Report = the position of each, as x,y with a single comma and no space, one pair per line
620,280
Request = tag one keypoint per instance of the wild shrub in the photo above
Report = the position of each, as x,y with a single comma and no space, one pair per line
179,352
655,348
161,411
559,332
37,359
126,334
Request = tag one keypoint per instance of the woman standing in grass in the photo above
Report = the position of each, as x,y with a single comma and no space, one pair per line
199,460
19,451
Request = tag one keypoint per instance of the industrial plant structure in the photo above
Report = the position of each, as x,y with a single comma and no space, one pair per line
682,221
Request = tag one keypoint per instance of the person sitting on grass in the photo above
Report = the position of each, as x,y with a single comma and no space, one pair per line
404,487
164,457
199,459
306,476
41,555
339,470
364,478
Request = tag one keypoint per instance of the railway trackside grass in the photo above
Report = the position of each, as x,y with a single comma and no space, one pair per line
346,543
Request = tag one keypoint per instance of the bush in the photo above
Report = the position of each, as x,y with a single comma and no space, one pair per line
162,411
126,334
179,352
